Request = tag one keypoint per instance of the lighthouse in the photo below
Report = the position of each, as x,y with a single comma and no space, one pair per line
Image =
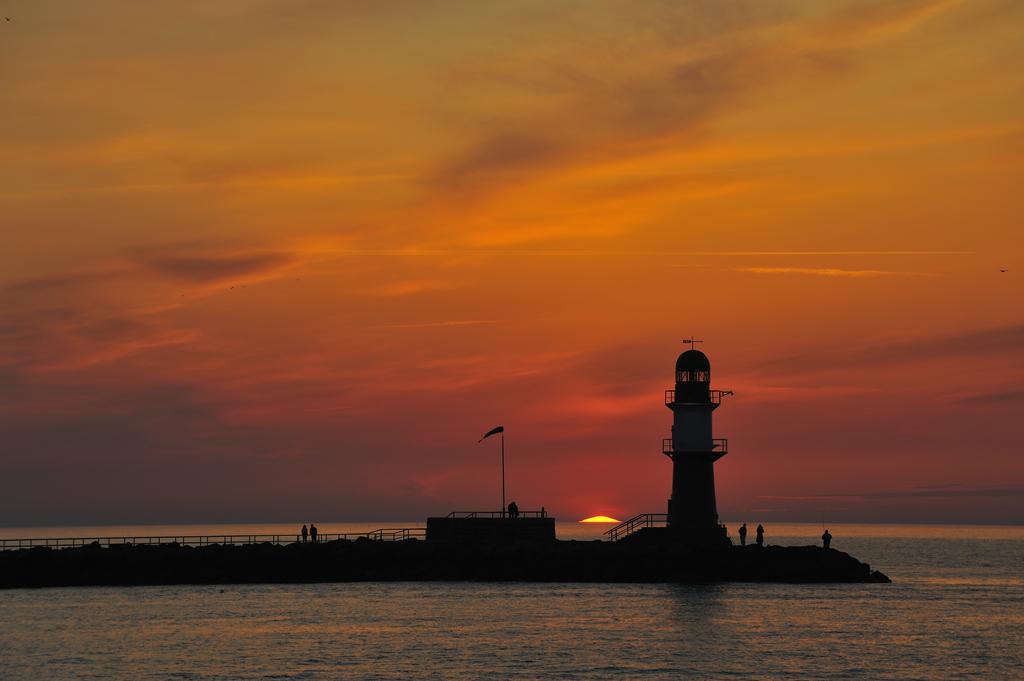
693,448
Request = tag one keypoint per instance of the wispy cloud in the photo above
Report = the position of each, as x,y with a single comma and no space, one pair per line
412,287
821,272
74,279
625,252
106,352
874,19
210,267
639,103
1003,397
453,322
819,253
923,492
502,155
974,343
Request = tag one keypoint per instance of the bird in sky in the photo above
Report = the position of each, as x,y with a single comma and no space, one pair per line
1002,270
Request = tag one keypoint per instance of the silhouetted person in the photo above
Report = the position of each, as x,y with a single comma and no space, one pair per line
760,536
305,533
743,534
826,539
513,510
543,513
312,532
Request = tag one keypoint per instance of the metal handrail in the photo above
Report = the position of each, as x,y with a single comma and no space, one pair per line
398,534
719,445
715,397
384,534
496,514
635,524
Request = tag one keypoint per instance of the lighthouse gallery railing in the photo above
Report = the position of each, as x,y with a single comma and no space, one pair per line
719,445
715,397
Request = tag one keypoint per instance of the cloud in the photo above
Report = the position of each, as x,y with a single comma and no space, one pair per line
878,17
502,154
819,253
100,352
451,322
412,286
975,343
1005,397
924,492
672,92
196,266
126,447
210,267
79,336
58,281
820,271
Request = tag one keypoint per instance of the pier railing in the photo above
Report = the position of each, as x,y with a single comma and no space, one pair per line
383,534
392,534
719,445
496,514
635,524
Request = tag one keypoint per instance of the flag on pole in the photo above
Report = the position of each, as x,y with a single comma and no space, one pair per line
492,431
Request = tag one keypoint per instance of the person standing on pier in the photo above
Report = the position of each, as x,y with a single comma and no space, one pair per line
305,533
826,539
513,510
760,535
743,534
312,532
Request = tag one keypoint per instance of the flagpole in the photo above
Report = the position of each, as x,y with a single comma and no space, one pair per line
503,474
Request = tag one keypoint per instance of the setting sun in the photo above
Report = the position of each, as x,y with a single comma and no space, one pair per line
599,519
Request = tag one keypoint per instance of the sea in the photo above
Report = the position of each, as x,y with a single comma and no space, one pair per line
954,610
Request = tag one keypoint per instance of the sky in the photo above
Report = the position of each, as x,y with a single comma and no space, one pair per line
288,260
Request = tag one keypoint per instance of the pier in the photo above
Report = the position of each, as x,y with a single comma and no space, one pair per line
211,560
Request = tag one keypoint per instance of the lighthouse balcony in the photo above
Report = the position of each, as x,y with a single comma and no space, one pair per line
714,398
719,447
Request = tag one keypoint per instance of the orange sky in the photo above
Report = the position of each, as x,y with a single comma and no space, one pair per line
281,260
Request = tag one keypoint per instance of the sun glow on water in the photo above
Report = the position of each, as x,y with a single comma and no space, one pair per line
599,519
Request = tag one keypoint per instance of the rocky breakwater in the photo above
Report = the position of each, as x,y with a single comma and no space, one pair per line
414,560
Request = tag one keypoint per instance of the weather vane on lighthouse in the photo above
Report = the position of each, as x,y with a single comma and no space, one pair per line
692,342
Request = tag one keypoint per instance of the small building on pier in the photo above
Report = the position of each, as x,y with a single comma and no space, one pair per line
491,527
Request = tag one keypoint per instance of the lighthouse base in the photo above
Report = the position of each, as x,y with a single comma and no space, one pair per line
697,537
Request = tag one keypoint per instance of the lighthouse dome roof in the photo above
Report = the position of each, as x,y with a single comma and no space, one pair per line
693,360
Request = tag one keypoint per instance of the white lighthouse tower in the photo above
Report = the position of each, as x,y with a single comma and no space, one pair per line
693,448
